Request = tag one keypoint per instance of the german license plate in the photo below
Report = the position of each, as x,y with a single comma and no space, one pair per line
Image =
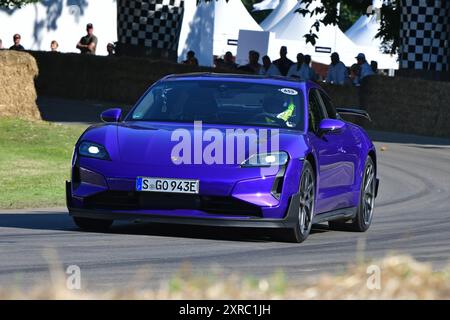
167,185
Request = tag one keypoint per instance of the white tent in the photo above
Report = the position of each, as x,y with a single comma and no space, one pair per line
212,28
266,5
360,23
294,26
278,13
364,30
63,21
291,29
363,33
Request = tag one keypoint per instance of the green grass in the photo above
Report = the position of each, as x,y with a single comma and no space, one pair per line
35,162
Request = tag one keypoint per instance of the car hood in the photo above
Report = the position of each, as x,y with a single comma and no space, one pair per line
154,143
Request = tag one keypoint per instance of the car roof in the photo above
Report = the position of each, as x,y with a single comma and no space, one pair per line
211,76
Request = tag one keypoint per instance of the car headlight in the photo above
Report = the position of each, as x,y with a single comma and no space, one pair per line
266,160
93,150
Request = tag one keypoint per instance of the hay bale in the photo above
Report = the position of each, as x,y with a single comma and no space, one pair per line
17,91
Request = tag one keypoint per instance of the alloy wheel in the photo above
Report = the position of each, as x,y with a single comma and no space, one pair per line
368,193
306,208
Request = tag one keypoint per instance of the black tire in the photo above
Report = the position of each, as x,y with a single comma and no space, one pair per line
89,224
305,207
364,213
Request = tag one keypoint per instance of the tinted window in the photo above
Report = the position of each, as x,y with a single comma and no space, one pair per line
315,112
222,102
329,107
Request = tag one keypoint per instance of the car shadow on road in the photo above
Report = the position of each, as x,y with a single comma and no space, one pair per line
62,222
201,232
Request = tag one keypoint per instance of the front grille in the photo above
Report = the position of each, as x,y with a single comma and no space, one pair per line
113,199
170,201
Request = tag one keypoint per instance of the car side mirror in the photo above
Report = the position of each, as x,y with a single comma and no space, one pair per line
111,115
354,112
330,126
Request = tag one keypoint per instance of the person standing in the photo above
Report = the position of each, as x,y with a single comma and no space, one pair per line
88,43
17,46
1,44
306,71
337,71
111,49
253,65
54,46
283,63
295,69
191,59
228,61
374,66
365,69
268,68
355,71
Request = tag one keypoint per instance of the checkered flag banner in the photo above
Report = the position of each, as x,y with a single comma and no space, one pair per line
425,35
150,23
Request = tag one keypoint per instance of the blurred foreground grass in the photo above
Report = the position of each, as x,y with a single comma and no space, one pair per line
34,162
401,277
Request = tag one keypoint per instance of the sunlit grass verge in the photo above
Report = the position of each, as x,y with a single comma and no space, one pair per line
401,277
34,162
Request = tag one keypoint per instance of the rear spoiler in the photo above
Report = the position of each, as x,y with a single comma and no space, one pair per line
354,112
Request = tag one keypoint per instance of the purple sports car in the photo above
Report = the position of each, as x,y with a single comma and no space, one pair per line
226,150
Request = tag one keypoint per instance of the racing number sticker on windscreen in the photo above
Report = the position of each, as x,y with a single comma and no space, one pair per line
289,91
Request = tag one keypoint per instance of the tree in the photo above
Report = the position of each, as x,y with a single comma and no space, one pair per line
389,14
417,30
15,3
259,16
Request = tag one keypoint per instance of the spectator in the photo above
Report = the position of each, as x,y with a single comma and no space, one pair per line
268,68
337,71
374,66
218,62
54,46
307,72
283,63
111,49
191,59
228,61
355,71
365,69
88,43
17,46
253,65
1,44
295,69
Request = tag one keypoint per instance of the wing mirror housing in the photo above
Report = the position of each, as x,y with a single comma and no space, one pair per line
354,112
330,126
111,115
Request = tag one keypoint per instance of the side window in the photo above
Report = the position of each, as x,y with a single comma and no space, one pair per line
329,107
315,111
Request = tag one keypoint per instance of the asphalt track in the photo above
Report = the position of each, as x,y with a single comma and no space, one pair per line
412,217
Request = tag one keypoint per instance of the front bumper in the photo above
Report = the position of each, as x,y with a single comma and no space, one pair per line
169,217
233,192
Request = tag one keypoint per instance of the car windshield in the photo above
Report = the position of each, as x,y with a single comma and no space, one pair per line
222,102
